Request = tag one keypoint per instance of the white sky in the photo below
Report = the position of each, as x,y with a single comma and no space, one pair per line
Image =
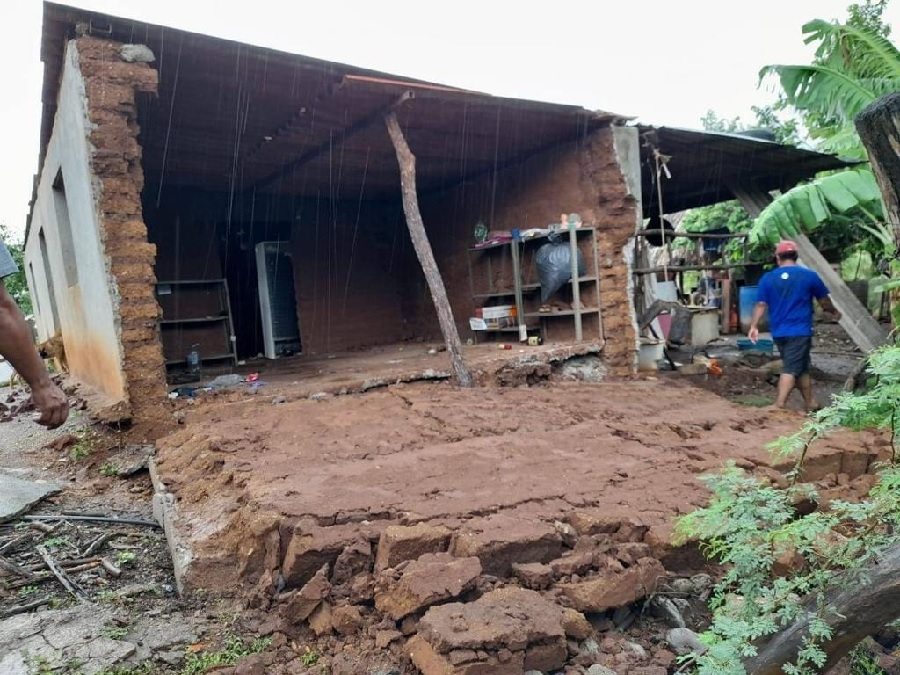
666,61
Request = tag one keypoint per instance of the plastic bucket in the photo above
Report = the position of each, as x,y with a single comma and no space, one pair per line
746,304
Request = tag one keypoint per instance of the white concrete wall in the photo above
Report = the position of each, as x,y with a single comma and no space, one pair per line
85,304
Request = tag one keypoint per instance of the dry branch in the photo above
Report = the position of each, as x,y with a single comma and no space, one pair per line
61,575
419,237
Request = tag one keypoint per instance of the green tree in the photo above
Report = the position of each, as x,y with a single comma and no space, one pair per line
16,284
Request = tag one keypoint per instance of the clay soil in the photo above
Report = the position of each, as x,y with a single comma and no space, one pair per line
269,489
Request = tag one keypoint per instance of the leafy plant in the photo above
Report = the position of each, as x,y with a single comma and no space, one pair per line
779,563
108,469
125,557
310,657
233,649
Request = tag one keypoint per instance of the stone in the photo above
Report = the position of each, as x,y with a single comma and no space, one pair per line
320,620
506,629
399,543
502,540
589,524
665,609
385,637
17,496
430,662
355,559
535,576
302,603
613,588
685,641
567,533
597,669
635,650
346,619
433,578
577,563
309,546
137,54
576,625
590,647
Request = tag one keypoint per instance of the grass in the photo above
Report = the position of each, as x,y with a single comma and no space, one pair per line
754,400
108,469
233,649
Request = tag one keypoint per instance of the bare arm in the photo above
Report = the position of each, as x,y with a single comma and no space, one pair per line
17,346
758,312
827,305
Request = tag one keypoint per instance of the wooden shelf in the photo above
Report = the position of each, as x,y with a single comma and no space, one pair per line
526,288
199,319
563,312
215,357
524,240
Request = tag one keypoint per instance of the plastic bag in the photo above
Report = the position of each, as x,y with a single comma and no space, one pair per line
554,265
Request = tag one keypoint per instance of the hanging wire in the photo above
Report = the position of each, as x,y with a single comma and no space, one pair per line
362,189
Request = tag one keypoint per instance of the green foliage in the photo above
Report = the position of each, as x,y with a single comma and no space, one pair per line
16,284
806,208
233,649
863,661
310,657
108,469
780,565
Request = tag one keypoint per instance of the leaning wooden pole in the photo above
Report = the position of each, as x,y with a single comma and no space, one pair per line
417,233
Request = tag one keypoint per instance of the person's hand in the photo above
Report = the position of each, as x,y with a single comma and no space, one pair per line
753,334
52,404
835,315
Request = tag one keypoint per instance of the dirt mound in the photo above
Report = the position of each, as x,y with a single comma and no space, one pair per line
359,518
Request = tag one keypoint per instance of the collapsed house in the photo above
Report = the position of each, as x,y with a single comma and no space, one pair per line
203,199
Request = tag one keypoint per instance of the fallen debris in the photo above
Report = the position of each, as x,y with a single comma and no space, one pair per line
17,496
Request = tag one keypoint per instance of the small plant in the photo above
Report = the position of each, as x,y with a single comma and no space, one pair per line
30,589
108,469
78,452
863,661
310,657
125,557
114,632
55,542
232,649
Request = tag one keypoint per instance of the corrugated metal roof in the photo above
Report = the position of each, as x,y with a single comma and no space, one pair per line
703,164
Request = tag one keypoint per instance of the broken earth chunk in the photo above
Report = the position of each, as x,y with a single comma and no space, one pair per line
502,540
399,543
613,588
433,578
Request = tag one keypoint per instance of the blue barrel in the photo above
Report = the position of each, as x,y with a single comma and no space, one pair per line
746,305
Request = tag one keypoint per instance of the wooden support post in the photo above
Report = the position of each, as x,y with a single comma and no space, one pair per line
576,286
860,325
419,237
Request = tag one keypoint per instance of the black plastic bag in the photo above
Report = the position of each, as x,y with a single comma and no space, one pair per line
554,265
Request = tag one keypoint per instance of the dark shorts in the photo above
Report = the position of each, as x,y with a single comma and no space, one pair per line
794,353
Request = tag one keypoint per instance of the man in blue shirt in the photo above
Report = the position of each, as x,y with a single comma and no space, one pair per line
788,292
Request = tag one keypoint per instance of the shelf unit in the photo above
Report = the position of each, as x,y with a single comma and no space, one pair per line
196,311
504,273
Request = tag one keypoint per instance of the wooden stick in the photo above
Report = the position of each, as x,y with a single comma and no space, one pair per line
10,566
98,543
15,541
21,609
22,583
35,520
61,576
109,567
407,162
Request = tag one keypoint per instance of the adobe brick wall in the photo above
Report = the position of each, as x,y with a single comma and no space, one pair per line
585,178
110,85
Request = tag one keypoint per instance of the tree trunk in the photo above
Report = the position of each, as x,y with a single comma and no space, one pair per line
417,233
859,609
879,128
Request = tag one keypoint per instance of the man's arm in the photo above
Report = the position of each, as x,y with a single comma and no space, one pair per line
17,346
758,312
828,306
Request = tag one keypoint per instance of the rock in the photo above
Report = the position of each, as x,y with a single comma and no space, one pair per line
253,664
277,400
612,588
302,603
309,546
320,620
17,496
577,563
567,533
346,619
701,583
354,559
635,650
597,669
385,637
590,647
576,625
509,630
665,609
137,54
682,585
433,578
535,576
60,443
685,641
399,543
502,540
623,617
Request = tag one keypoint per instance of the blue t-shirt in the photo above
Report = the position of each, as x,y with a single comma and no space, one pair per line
789,292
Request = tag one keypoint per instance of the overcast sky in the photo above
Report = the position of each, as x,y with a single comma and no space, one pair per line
664,61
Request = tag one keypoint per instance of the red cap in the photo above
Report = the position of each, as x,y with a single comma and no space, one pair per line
785,247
